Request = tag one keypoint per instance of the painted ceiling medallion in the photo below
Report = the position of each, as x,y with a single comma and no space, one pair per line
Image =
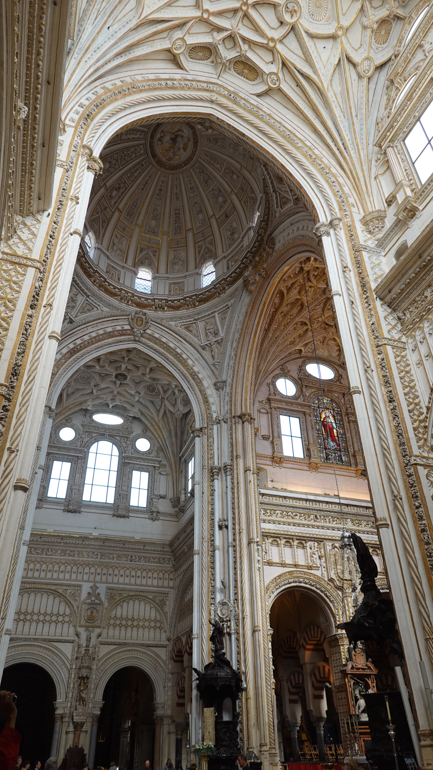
291,11
200,53
178,45
382,32
273,80
245,70
173,146
318,9
366,67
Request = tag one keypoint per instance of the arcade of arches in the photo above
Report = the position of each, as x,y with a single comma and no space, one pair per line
216,358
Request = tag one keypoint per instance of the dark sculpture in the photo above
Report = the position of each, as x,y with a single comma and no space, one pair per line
374,620
219,686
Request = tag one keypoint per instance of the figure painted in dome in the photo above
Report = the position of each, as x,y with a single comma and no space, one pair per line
330,430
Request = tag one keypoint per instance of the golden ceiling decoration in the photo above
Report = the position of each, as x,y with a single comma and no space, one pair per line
382,32
200,53
245,70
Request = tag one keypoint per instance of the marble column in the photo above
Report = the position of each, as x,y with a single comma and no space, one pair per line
319,724
56,735
92,743
294,727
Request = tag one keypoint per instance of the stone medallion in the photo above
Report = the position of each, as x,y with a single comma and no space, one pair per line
173,146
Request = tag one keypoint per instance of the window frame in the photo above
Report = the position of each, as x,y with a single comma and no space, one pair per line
50,479
108,487
190,476
429,143
295,416
140,278
203,274
140,471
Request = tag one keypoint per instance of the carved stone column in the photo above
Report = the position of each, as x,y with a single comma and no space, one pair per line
294,728
58,719
319,724
92,743
157,745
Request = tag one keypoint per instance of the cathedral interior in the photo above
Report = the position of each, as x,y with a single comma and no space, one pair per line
216,381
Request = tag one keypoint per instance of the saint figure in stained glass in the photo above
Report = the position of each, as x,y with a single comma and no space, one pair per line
330,430
331,437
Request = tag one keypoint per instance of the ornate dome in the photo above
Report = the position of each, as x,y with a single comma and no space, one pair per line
173,196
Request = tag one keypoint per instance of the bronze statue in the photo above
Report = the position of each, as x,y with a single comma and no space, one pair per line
374,620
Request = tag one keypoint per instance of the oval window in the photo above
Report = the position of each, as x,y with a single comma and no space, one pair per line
286,386
107,419
67,434
142,444
320,371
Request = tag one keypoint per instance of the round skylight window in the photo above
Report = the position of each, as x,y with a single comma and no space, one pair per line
66,434
286,386
320,371
108,419
142,444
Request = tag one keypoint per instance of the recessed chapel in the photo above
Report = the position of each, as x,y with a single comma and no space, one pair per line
216,366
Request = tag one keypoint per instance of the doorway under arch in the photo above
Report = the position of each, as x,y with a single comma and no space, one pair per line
126,727
303,673
36,694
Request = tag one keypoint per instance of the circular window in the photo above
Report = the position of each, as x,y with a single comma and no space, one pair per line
142,444
67,434
108,419
320,371
286,386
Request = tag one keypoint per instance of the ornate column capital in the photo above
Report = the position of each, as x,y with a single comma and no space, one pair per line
94,164
322,229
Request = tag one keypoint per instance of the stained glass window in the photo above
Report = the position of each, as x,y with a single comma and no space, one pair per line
330,431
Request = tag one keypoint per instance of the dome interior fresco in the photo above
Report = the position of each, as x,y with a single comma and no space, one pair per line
173,196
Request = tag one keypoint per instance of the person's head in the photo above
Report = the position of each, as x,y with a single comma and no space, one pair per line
169,762
147,763
26,764
193,766
113,763
242,760
51,764
38,764
19,761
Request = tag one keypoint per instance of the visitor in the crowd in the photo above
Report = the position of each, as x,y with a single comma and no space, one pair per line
243,762
26,764
193,766
38,765
147,765
113,765
51,764
19,762
9,737
169,765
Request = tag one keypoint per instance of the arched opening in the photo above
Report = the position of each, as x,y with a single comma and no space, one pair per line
307,717
36,693
126,727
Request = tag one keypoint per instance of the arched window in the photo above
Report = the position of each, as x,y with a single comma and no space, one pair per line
143,281
101,473
330,431
207,274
